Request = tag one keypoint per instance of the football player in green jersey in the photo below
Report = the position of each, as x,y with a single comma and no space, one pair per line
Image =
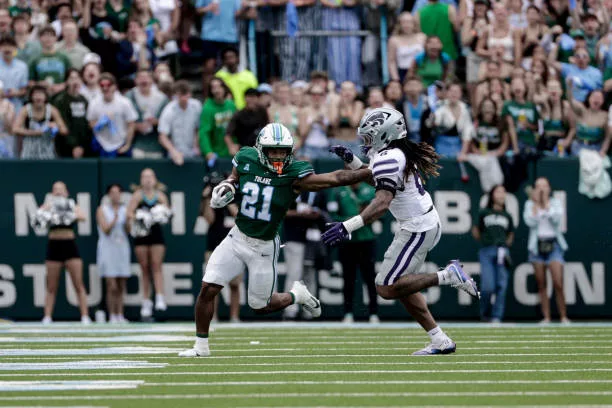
265,181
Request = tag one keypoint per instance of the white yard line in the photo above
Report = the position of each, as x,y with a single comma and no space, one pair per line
437,394
390,382
305,372
416,361
83,353
256,348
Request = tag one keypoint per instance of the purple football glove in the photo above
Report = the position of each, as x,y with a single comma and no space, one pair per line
335,234
343,152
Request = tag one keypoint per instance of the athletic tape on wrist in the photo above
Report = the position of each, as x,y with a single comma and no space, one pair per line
353,224
355,164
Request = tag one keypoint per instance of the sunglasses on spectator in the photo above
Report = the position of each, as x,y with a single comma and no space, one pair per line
106,84
317,93
581,56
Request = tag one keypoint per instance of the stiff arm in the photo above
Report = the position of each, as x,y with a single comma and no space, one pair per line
316,182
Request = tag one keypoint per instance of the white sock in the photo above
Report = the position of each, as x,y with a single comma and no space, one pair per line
201,343
159,297
443,277
436,333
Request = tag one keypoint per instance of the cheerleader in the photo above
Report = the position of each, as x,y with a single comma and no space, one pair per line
61,214
147,212
113,255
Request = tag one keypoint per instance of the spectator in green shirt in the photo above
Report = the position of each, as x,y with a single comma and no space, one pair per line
216,115
495,231
521,117
73,108
238,81
360,251
50,68
118,9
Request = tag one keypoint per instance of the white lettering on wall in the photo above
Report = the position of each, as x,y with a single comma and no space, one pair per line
8,293
454,210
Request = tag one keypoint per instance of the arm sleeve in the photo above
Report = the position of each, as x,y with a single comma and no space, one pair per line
388,170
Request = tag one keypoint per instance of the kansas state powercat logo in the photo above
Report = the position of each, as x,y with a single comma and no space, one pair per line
377,119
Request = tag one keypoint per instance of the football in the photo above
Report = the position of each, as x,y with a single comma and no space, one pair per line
224,188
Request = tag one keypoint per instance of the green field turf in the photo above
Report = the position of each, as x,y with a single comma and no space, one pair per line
277,365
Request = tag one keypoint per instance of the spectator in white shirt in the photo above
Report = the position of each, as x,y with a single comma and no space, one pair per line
178,124
149,103
113,120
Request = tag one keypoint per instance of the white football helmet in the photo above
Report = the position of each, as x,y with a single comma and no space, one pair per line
274,136
379,128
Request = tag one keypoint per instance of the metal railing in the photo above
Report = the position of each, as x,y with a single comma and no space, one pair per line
252,46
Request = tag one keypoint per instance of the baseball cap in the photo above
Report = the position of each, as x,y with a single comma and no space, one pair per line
299,84
577,33
252,92
264,88
92,58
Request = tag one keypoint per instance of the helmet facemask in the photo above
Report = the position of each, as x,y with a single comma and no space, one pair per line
277,164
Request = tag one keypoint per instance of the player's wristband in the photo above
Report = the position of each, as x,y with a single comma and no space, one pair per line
355,164
353,224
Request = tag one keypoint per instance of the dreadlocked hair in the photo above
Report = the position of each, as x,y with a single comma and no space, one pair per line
420,157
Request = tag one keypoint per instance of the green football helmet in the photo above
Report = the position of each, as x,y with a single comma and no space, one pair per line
274,136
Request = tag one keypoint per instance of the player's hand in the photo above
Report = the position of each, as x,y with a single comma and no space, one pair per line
335,234
343,152
222,195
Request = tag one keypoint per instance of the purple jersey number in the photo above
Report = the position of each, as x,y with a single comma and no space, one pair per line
417,182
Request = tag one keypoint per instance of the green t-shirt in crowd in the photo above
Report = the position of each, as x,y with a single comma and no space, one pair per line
264,196
50,67
523,114
213,123
74,112
122,16
494,227
434,20
349,203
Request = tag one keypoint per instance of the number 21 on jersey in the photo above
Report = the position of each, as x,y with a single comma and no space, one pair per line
252,194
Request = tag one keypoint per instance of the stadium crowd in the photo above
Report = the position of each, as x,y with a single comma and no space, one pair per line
493,84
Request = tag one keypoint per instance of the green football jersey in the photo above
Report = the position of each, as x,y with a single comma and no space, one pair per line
263,195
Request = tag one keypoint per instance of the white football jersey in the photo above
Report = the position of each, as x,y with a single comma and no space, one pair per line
412,206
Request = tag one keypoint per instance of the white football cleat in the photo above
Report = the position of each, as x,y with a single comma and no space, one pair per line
374,319
461,280
305,298
85,320
195,353
46,320
447,346
348,319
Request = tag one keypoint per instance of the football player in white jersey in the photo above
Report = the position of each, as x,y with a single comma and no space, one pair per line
397,166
